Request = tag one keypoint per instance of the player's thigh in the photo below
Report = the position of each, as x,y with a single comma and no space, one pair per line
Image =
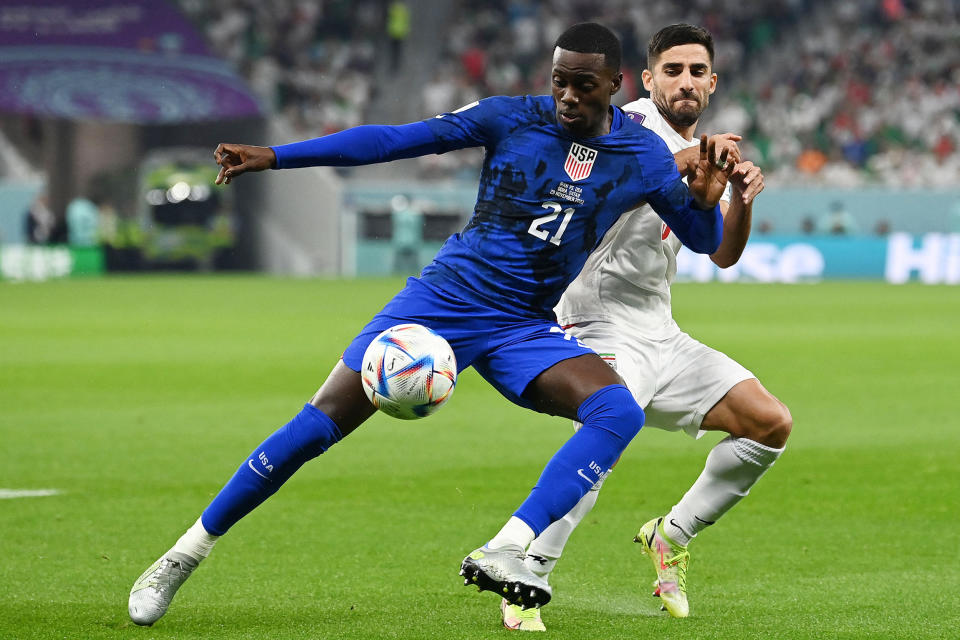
537,365
561,389
465,325
693,378
633,357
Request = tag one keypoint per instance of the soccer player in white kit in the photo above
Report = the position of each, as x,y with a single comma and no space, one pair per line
620,306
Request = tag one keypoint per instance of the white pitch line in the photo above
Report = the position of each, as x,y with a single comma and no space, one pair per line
27,493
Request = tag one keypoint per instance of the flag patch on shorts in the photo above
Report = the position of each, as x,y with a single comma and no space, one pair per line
610,359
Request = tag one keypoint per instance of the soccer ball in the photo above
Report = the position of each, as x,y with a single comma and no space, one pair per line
409,371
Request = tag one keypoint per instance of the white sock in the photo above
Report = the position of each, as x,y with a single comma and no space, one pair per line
732,468
516,532
196,542
549,544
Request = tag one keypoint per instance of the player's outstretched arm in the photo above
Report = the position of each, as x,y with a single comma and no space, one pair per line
366,144
237,159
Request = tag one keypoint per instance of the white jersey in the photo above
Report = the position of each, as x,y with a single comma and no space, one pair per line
627,278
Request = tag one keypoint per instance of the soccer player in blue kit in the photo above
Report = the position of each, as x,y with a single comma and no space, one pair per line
559,170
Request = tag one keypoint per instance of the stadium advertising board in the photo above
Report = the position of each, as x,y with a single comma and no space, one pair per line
31,262
932,258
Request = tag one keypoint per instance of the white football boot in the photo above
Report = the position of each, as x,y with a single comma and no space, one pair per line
154,590
503,571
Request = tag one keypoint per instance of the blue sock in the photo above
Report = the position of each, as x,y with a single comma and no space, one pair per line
611,418
310,433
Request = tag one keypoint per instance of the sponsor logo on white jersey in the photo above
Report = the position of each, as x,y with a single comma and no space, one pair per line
579,162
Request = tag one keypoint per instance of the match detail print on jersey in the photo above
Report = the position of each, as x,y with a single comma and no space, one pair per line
579,162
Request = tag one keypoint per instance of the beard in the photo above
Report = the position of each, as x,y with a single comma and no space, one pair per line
683,116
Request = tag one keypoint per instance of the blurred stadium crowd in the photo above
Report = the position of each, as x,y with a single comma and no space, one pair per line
836,94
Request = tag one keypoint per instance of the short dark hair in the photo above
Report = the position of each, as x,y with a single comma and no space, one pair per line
591,37
675,35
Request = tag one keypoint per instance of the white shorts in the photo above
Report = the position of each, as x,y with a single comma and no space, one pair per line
676,380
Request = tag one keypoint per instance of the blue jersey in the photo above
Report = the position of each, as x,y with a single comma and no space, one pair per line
545,200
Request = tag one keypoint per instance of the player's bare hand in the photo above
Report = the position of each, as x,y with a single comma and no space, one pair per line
237,159
729,142
688,159
708,180
746,181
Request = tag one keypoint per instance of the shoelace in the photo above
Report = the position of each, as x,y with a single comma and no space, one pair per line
532,613
681,560
523,615
164,577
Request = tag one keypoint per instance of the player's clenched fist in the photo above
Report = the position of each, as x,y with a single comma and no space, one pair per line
237,159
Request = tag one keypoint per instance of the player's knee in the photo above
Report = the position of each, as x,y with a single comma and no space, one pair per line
773,425
311,432
614,410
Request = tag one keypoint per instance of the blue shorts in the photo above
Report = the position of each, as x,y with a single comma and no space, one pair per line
508,350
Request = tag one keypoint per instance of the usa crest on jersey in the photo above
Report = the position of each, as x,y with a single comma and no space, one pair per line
579,162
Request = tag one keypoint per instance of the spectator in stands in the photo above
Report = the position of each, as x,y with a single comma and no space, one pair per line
838,221
40,222
83,224
870,91
407,223
398,30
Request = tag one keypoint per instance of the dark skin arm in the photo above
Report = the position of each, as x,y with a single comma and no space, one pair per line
707,179
237,159
687,159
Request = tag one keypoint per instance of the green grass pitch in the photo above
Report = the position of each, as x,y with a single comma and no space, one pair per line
138,397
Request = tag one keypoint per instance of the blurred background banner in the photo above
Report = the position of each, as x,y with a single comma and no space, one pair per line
931,258
134,61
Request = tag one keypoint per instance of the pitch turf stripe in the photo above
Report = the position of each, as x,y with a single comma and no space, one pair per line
27,493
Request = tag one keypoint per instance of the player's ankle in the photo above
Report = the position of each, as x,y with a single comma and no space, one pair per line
675,534
197,542
540,565
515,533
